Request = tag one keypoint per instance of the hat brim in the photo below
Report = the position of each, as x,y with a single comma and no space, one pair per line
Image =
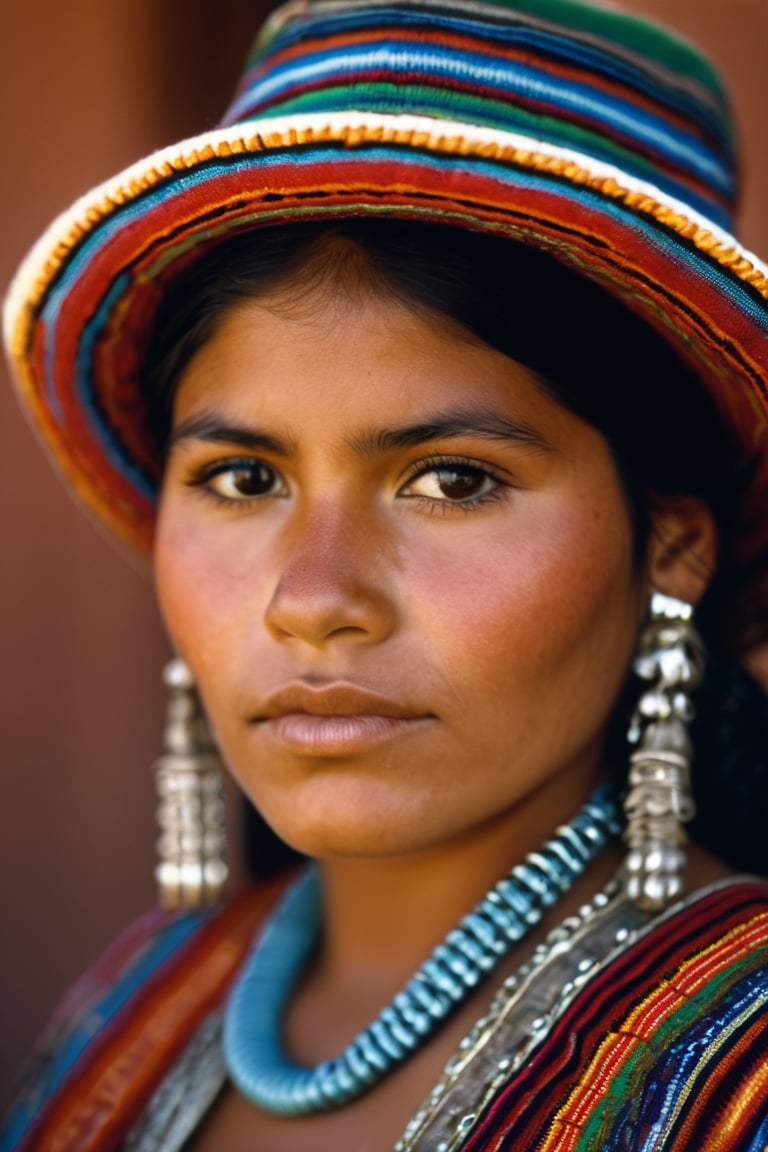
80,310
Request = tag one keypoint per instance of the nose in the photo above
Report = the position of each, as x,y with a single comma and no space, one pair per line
332,582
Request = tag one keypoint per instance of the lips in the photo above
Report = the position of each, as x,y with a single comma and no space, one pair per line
332,700
335,719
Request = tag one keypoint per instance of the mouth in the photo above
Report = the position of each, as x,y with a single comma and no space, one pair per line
335,719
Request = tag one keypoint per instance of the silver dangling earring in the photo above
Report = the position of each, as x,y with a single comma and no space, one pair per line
191,870
671,657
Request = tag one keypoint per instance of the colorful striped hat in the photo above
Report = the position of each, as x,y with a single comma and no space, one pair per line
572,127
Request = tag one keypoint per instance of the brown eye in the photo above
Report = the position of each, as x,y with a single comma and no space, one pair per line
452,483
246,480
460,483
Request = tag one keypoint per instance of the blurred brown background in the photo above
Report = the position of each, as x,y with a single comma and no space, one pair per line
86,87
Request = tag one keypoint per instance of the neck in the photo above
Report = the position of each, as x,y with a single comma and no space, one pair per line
327,1007
383,915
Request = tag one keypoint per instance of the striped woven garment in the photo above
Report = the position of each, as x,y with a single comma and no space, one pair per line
124,1024
665,1049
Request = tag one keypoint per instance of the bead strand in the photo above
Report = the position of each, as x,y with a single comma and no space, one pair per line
509,911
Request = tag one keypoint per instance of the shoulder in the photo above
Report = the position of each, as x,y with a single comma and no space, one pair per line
685,1051
120,1027
662,1045
685,1054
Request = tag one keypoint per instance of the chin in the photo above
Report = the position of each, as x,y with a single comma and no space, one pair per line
335,826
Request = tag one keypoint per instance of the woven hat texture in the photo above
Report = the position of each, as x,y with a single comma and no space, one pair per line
575,128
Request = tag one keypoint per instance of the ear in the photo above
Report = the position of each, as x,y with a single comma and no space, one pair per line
682,547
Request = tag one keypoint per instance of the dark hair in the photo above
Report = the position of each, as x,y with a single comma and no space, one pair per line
590,351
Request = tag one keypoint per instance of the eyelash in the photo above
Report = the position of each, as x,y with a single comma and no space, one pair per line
202,481
470,504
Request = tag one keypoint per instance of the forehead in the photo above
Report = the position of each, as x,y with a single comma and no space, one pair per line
353,361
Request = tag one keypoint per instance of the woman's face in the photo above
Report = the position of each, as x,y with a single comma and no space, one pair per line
401,573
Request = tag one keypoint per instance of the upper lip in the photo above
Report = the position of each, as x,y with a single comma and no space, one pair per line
339,699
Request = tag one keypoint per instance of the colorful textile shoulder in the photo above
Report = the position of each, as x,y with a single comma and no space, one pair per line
112,1040
663,1049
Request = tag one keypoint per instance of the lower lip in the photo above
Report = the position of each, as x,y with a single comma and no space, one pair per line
337,735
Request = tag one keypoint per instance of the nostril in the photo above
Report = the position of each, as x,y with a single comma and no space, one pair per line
319,606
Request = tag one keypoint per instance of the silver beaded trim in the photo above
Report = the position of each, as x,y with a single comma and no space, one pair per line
520,1017
185,1095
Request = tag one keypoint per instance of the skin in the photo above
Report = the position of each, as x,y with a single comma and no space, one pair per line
477,574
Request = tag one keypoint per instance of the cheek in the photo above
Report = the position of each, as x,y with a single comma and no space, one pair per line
551,603
199,586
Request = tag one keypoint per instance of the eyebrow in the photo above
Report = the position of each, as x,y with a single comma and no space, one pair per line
485,423
212,428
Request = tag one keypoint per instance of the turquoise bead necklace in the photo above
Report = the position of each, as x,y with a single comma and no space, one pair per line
252,1028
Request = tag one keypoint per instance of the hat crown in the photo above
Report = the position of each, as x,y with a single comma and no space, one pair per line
589,79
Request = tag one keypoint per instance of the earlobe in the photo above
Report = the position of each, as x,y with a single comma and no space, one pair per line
682,547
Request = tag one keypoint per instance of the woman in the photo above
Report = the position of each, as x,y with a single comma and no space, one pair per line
452,383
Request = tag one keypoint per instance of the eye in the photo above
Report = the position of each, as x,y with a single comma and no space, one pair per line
453,482
241,480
